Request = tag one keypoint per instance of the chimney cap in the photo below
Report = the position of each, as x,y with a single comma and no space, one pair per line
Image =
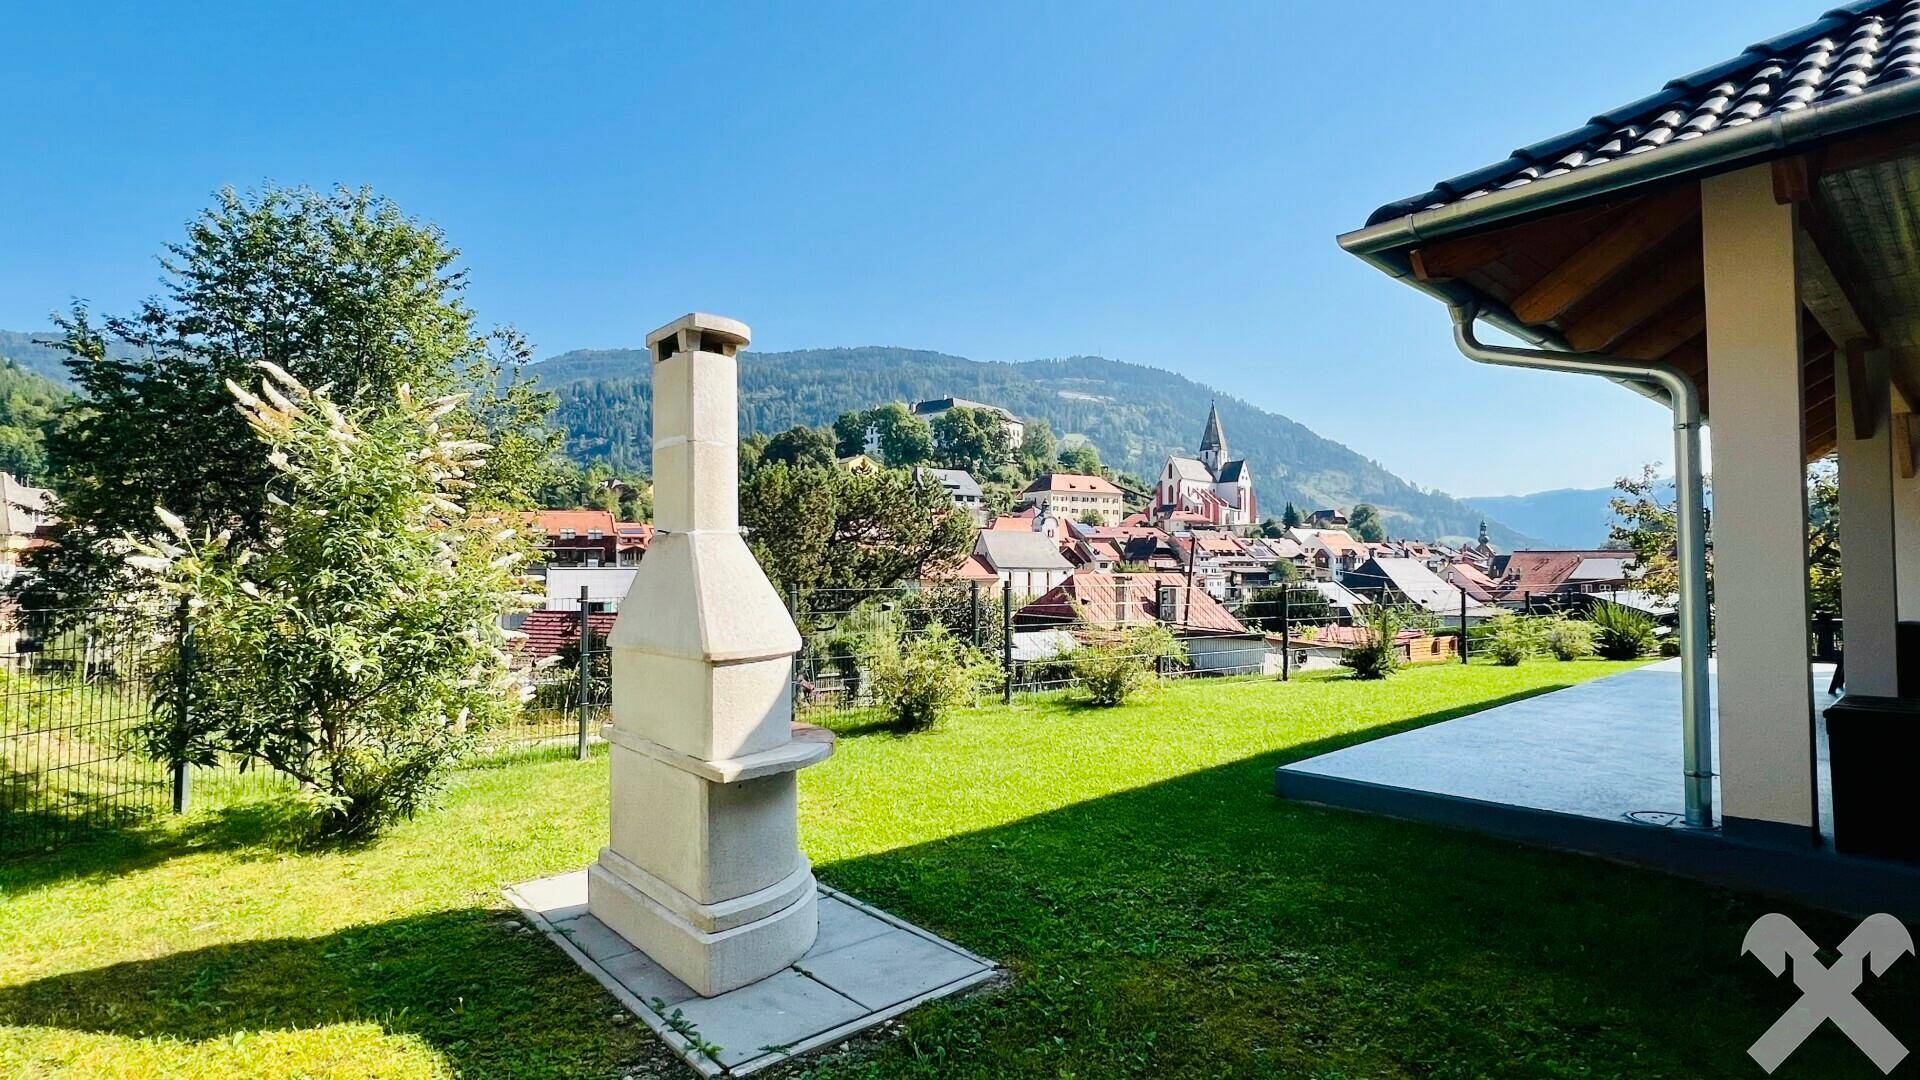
731,331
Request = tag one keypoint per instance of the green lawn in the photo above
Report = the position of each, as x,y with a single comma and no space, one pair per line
1160,911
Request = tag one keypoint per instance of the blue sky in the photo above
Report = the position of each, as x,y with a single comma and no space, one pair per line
1155,185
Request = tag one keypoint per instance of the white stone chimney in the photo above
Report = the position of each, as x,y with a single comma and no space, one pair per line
703,871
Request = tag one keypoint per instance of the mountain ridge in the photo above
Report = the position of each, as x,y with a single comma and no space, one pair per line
1133,414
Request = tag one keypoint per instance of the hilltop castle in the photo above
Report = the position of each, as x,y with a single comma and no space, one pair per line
1213,488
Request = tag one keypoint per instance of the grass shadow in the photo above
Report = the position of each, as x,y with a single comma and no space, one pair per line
272,826
495,998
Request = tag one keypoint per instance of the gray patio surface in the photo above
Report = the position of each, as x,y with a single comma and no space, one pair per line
866,967
1606,749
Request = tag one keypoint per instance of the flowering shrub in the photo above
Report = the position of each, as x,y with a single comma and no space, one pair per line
358,649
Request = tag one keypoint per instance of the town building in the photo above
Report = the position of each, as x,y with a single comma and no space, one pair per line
24,521
960,487
1030,562
1214,488
1408,582
932,410
1072,495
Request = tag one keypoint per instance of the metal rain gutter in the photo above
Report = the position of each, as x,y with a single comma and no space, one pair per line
1684,397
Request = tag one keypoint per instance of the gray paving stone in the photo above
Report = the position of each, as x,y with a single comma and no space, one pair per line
557,897
645,979
890,968
593,937
874,965
842,924
776,1011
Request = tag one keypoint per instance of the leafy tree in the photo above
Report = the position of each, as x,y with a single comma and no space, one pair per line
1823,537
1271,528
971,439
1082,459
1291,516
800,446
1304,607
905,440
1091,517
832,529
1364,523
1646,525
850,434
1038,448
341,290
27,406
356,648
628,496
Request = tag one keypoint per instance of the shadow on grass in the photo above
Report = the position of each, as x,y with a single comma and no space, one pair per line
1196,926
494,998
135,843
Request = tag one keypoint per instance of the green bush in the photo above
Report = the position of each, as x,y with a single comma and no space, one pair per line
1378,653
1121,662
1510,639
919,678
1567,639
1621,633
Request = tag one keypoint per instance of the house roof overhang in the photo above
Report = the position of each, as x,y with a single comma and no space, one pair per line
1532,224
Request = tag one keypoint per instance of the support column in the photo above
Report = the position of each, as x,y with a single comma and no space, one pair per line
703,871
1760,510
1906,514
1870,591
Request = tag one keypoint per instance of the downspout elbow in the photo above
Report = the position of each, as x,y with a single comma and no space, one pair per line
1681,393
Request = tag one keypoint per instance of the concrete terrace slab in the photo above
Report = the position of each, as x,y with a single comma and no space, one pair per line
1607,749
865,968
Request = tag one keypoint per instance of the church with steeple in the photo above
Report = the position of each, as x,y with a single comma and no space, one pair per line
1214,488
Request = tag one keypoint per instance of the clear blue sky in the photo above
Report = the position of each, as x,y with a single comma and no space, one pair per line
998,183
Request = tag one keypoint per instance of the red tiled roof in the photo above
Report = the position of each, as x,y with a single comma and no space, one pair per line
1011,523
554,522
972,568
1081,482
1545,571
548,632
1094,599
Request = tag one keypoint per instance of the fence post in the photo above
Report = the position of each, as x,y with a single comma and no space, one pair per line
1006,642
586,673
183,683
1463,626
1286,633
973,624
1529,598
793,612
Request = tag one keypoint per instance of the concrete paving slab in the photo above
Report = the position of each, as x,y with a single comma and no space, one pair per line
1608,749
888,969
842,924
768,1016
870,966
593,937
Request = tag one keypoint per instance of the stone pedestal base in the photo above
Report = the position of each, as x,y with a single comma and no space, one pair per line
713,948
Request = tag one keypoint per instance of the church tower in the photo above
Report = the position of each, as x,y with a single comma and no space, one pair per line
1213,442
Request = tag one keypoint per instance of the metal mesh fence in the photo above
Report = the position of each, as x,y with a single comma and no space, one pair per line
73,691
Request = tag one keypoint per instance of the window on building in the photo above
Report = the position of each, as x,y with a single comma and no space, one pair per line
566,534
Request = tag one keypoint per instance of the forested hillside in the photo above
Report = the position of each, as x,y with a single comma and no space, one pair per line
1134,415
27,402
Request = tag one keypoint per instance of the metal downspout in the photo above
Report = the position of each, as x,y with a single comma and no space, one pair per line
1684,398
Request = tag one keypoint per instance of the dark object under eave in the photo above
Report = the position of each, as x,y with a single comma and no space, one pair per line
1873,745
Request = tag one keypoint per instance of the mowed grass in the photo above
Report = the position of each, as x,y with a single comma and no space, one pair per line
1159,910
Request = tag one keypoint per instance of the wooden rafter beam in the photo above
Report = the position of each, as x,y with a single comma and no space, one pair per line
1647,223
1444,260
1680,322
1600,325
1796,177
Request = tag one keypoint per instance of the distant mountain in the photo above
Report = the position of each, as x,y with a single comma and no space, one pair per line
1562,518
1133,415
38,353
